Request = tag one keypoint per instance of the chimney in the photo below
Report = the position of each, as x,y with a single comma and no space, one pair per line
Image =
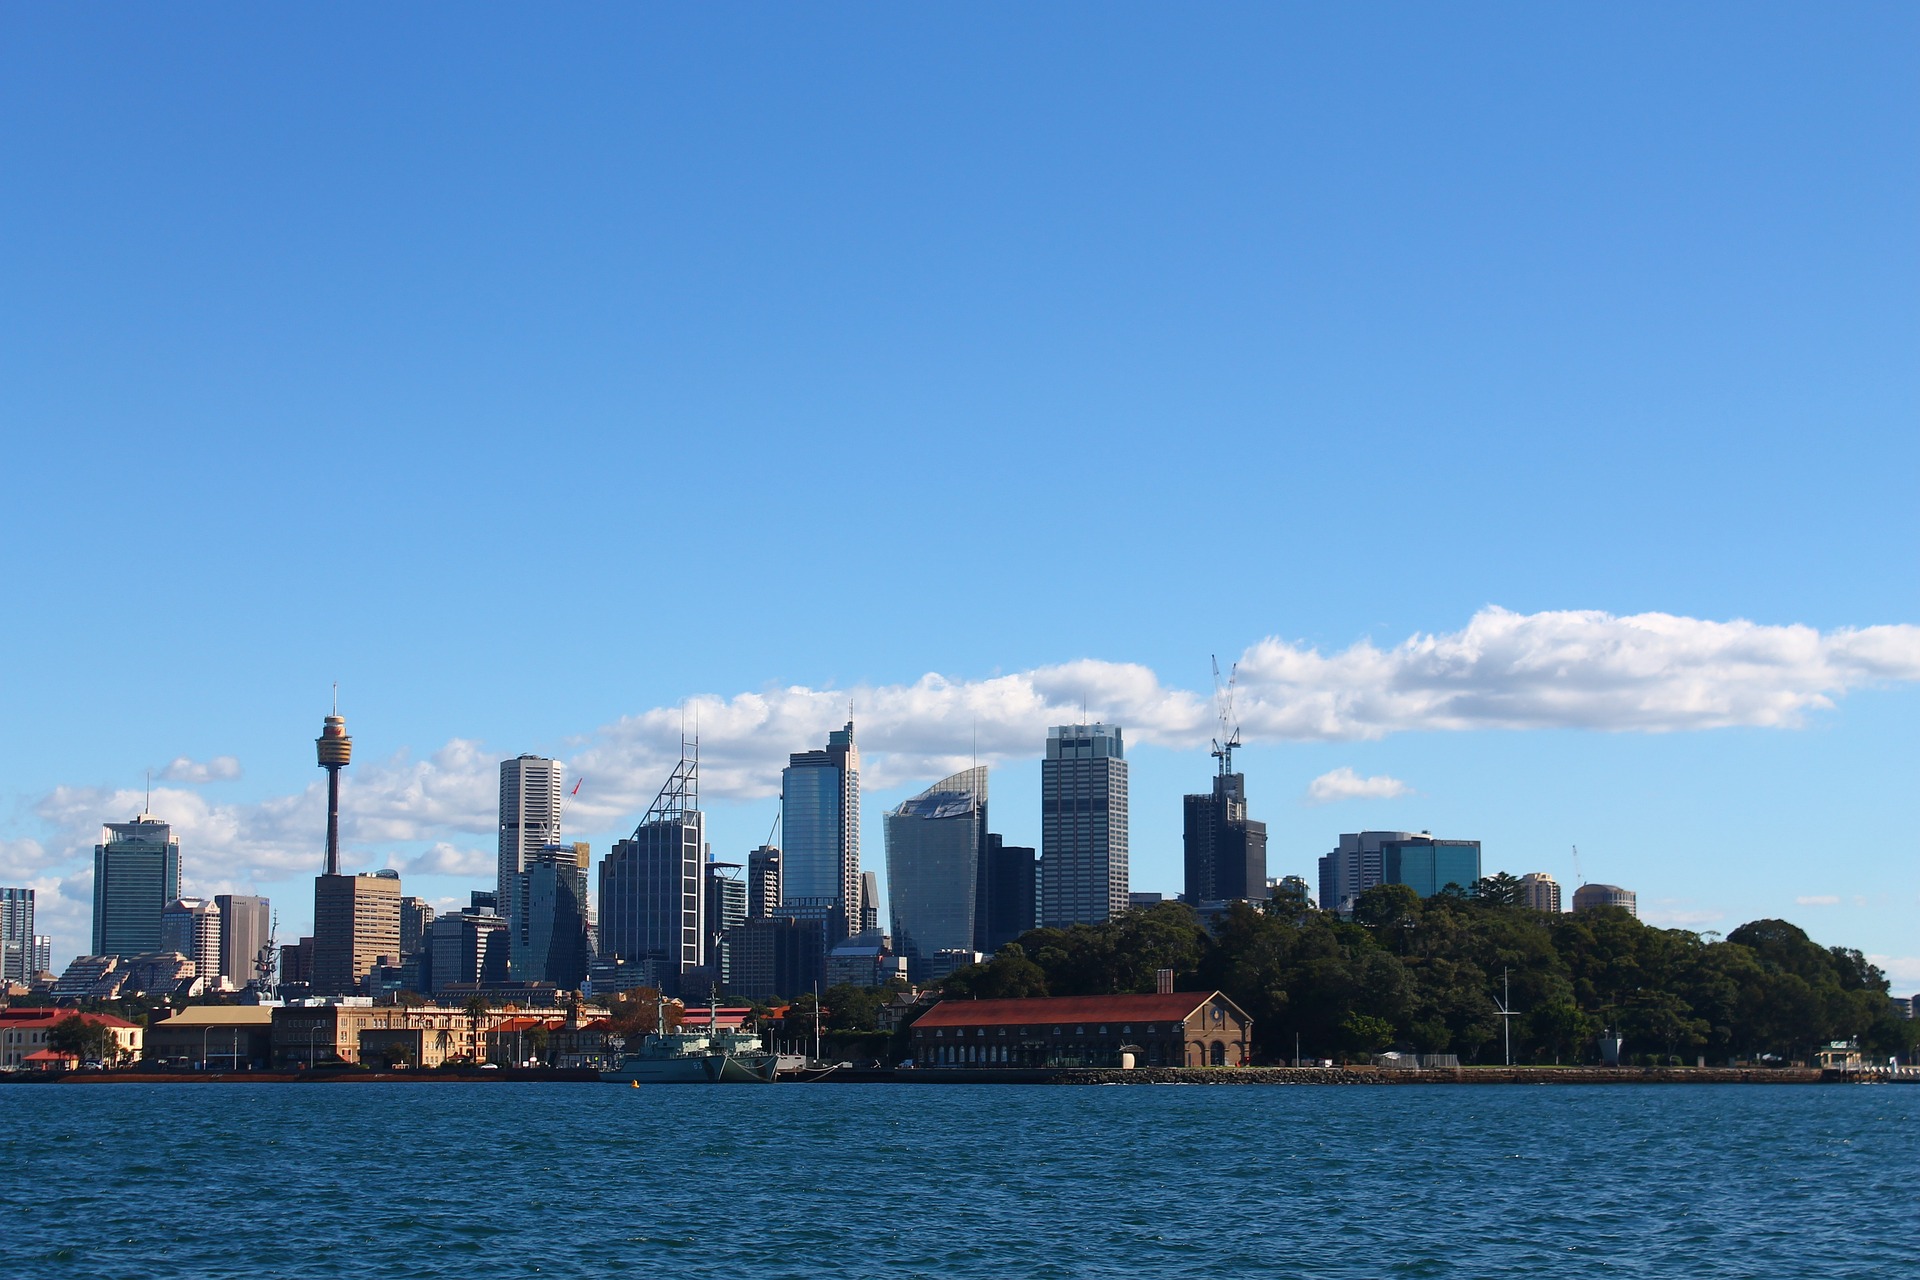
1163,982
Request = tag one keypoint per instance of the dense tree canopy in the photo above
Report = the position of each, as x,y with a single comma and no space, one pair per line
1428,976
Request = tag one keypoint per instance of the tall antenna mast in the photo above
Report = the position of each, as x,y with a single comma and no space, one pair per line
1229,726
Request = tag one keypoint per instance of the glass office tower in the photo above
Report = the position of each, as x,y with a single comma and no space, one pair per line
934,845
136,873
820,832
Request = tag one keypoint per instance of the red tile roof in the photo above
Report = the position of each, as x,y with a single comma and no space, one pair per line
20,1018
1058,1009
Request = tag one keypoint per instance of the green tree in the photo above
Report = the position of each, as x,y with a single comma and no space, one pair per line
83,1039
1009,975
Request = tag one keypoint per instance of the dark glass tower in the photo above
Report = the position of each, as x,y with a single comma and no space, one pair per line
1226,852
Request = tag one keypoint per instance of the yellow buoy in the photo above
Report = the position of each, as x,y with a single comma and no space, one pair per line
633,1084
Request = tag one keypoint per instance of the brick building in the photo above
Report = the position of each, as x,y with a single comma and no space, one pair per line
1173,1029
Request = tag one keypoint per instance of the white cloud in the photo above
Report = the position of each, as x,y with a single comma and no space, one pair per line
444,859
1903,972
1677,913
1817,900
1584,670
1344,784
218,769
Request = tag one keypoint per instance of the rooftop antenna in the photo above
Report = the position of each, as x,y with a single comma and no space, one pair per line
336,697
1229,726
147,808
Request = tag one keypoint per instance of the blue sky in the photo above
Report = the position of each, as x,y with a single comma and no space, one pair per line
532,373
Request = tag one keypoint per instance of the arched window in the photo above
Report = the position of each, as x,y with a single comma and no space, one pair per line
1218,1053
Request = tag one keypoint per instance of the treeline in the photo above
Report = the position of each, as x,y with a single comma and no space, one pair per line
1426,976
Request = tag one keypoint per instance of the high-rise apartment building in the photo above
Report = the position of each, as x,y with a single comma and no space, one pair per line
416,917
1226,851
356,920
42,961
246,931
191,926
726,909
1589,896
136,873
1006,903
1083,825
820,822
529,821
1541,892
935,841
869,902
16,935
763,882
652,903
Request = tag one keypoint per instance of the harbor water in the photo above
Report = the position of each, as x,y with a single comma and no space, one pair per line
511,1179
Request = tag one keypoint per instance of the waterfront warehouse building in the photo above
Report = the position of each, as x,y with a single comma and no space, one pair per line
1589,896
529,822
214,1037
934,845
1169,1029
1083,825
820,830
136,873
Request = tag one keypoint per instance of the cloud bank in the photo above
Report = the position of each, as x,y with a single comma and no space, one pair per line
1584,670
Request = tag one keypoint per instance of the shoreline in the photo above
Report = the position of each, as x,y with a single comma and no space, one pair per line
1240,1076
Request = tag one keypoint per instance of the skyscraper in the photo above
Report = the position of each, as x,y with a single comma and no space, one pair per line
1353,867
934,844
246,925
42,960
136,873
1427,865
820,816
763,882
550,940
191,926
1226,852
529,821
16,935
1083,825
1006,903
726,909
356,920
652,907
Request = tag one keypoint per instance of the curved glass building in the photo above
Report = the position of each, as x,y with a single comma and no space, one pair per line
934,844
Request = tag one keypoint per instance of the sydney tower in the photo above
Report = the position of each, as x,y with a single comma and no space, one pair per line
335,749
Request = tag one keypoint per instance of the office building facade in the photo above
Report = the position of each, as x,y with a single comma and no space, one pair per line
935,841
550,938
1589,896
775,958
16,935
820,825
1429,866
191,927
726,909
1225,851
246,933
1354,866
652,890
529,821
763,882
1083,825
467,946
356,920
136,873
1006,901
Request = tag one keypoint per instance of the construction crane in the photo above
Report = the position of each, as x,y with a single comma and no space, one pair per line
1229,727
1578,879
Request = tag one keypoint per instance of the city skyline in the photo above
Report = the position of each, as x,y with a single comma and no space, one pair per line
1533,390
